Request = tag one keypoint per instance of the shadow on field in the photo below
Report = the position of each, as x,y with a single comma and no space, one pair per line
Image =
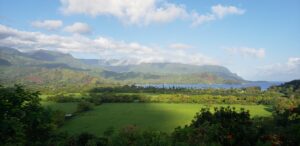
119,107
156,116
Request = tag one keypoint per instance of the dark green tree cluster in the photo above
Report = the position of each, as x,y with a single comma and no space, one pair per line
249,95
225,126
63,98
84,106
290,89
23,121
99,98
169,90
111,98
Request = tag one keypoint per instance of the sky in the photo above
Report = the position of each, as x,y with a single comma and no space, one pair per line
258,40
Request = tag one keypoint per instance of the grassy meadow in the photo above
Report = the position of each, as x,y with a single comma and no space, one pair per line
157,116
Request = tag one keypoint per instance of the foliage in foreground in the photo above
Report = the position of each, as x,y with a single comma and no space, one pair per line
24,121
223,127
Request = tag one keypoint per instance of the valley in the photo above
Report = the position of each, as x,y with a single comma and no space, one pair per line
149,73
49,69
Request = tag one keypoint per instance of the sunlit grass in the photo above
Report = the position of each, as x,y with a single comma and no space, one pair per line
157,116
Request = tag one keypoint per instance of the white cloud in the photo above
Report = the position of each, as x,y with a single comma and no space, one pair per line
48,24
144,12
200,19
128,11
289,70
221,11
105,48
217,12
179,46
293,62
248,52
78,28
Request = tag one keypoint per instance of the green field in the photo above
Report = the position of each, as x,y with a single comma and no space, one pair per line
157,116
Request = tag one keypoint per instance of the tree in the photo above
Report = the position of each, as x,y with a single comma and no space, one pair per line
23,121
84,106
223,127
287,126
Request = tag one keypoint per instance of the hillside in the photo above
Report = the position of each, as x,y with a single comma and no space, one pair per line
289,89
39,58
175,69
49,67
4,62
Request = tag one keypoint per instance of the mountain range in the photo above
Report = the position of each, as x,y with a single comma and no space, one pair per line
44,67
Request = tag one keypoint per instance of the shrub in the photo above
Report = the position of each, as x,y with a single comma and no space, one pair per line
58,117
133,136
225,126
63,98
86,139
23,121
84,106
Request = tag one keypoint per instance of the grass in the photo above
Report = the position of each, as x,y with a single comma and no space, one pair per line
157,116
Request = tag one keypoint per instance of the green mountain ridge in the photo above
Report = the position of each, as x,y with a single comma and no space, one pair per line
4,62
45,67
39,57
177,69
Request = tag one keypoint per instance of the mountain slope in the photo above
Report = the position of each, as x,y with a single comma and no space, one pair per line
4,62
177,69
169,68
39,57
50,62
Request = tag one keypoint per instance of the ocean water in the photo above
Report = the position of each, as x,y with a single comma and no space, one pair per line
262,85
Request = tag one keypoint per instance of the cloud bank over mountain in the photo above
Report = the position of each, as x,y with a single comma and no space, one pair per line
101,46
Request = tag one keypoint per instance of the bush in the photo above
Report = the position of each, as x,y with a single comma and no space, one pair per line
133,136
23,120
58,117
224,127
110,98
63,98
287,126
86,139
84,106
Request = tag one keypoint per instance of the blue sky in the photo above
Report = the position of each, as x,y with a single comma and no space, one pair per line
258,40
